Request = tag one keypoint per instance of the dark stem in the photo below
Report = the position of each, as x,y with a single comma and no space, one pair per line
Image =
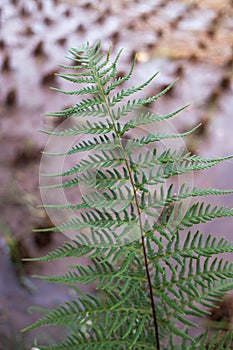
156,327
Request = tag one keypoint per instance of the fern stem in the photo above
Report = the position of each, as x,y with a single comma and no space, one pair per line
156,327
155,321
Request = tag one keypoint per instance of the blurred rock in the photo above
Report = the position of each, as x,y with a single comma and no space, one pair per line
101,19
11,98
39,5
225,82
2,44
6,66
42,239
61,41
67,12
28,154
39,49
80,28
28,31
88,5
24,12
15,2
115,37
48,21
49,78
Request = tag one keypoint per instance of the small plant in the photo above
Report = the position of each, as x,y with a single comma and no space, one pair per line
133,218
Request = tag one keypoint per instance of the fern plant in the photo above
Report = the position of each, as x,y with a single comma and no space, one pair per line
155,274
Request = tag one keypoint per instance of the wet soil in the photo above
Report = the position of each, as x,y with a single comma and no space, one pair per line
191,41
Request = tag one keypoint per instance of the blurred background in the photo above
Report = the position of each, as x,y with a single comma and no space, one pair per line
191,40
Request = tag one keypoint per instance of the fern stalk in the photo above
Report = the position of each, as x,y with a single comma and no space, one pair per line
138,211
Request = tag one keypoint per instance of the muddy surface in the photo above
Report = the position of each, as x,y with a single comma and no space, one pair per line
193,42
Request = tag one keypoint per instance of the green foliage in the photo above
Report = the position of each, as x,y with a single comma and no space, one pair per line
152,285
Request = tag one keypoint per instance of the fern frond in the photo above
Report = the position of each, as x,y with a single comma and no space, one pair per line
101,143
87,275
134,104
159,199
105,201
75,250
118,81
157,174
147,118
84,91
199,213
110,180
194,246
85,128
152,276
130,91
